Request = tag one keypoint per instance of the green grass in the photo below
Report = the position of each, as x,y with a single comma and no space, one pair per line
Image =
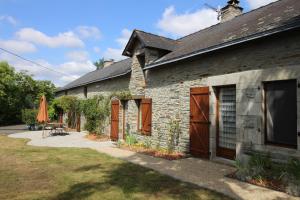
68,173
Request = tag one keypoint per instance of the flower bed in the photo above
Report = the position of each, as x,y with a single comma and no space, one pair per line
273,184
161,153
262,171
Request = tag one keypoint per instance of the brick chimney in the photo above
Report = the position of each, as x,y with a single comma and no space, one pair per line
231,10
108,63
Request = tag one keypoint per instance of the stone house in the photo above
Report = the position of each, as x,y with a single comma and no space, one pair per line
232,88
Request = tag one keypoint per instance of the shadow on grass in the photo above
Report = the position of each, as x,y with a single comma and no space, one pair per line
88,168
131,181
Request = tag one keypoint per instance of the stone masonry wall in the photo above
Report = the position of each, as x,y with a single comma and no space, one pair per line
109,86
264,60
137,81
102,88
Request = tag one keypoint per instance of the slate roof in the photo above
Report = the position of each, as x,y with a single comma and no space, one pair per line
149,40
272,16
117,69
156,41
276,16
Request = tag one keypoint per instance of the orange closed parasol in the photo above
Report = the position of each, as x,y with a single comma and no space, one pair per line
42,116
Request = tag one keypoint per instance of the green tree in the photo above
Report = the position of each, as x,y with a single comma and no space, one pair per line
100,63
18,91
46,88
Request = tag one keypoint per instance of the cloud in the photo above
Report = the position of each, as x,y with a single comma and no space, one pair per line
66,39
96,49
116,53
71,69
88,32
183,24
78,55
258,3
77,67
17,46
8,19
125,35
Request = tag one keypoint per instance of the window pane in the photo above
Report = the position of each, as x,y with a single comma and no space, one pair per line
227,118
281,112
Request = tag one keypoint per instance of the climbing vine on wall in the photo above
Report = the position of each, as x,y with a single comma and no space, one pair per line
96,111
173,134
70,105
121,95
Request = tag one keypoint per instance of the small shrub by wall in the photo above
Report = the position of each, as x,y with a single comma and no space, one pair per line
96,111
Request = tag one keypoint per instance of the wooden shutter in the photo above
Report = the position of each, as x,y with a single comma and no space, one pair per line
114,131
199,122
146,106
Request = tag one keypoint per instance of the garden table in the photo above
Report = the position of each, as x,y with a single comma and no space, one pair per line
56,128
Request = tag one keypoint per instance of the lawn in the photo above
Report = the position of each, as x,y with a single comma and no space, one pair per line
69,173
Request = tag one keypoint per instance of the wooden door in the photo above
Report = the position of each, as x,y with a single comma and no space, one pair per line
199,122
60,116
114,132
78,121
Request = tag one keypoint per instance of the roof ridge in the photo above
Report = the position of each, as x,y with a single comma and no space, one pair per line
253,10
174,40
74,84
111,64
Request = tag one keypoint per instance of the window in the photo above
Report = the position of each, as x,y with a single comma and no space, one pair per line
226,120
85,92
281,113
145,116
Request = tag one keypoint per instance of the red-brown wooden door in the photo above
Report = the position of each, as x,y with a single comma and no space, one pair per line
78,121
60,117
199,122
114,132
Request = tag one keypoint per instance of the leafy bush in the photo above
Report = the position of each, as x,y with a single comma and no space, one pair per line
52,112
130,139
18,91
96,111
121,95
29,116
261,168
292,170
70,105
242,170
259,165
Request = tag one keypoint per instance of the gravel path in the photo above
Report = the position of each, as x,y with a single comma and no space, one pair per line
204,173
74,139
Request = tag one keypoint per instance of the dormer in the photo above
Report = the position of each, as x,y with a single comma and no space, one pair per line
148,47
